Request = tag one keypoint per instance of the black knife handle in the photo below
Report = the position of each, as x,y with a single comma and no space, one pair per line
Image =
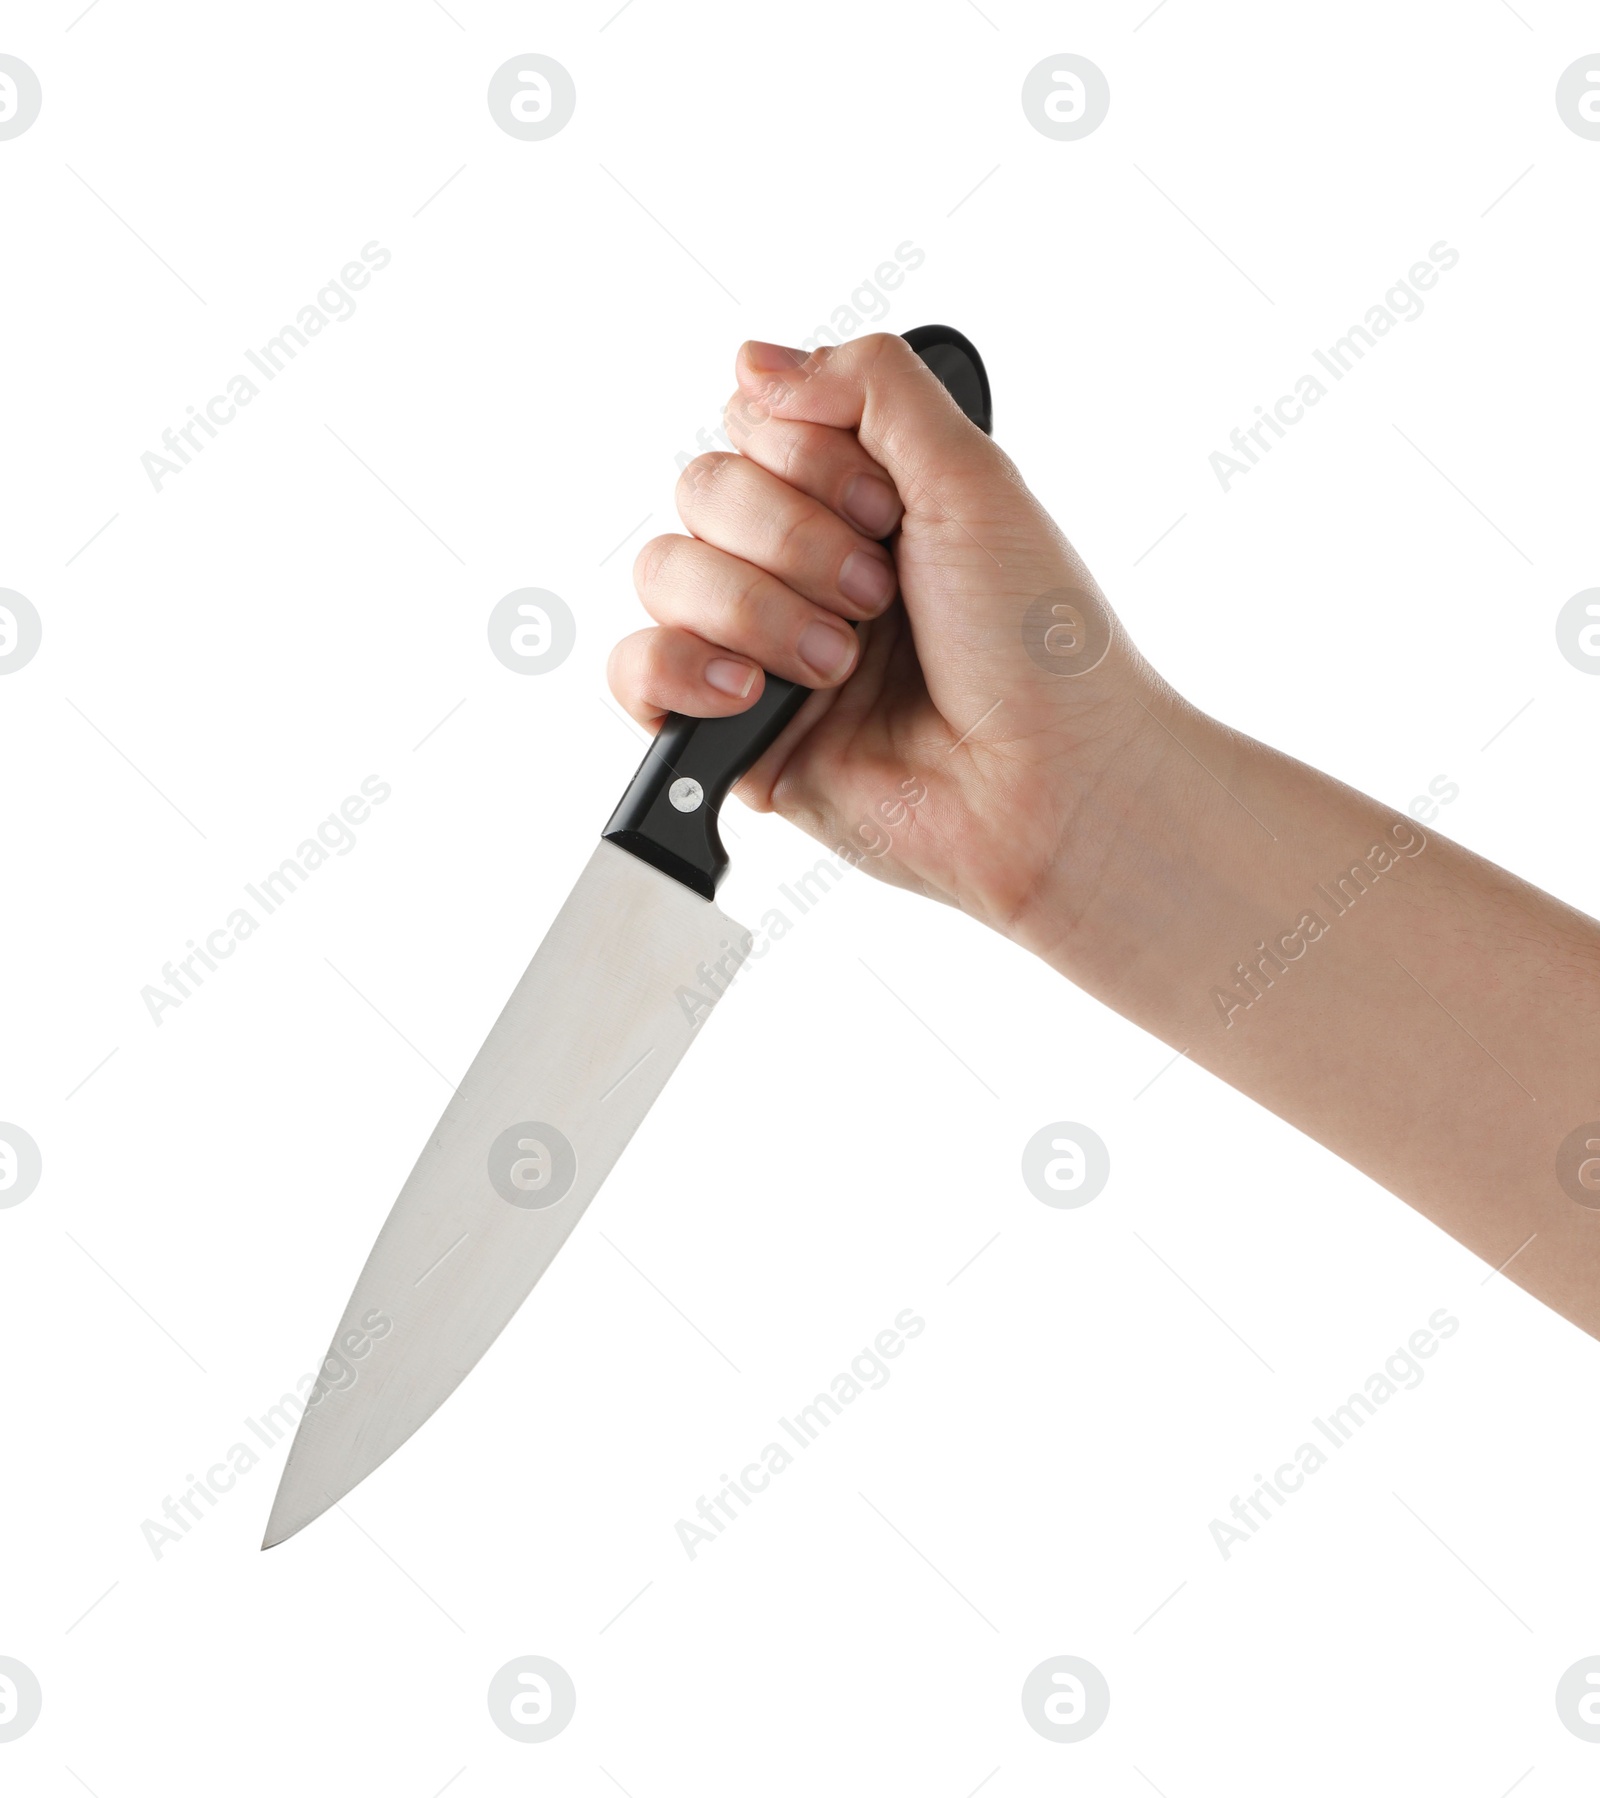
668,816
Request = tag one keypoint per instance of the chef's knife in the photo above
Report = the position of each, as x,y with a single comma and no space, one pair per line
635,960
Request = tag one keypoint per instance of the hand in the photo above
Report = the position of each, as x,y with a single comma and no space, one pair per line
995,735
935,746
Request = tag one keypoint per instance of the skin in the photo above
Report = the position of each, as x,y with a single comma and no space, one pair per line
1434,1021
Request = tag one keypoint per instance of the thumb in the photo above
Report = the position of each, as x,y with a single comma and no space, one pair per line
997,598
880,388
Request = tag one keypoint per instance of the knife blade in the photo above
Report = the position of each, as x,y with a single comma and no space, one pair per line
633,964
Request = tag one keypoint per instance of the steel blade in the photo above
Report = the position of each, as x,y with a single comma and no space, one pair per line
609,1004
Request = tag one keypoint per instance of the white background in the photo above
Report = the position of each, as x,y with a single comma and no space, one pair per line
275,625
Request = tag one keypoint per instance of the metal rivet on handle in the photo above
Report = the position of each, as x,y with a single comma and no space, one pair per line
686,795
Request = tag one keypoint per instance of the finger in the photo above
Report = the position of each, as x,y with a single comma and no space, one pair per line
732,503
881,389
821,460
983,550
700,588
668,670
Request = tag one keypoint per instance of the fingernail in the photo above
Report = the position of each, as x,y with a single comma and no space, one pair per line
867,577
769,358
872,504
730,677
827,648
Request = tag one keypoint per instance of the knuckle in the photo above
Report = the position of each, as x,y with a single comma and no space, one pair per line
658,661
738,416
884,353
796,447
788,530
879,344
746,597
704,475
651,562
628,667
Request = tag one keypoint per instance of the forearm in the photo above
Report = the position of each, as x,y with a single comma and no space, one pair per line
1422,1013
1427,1016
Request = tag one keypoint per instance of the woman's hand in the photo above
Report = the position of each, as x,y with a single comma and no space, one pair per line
937,748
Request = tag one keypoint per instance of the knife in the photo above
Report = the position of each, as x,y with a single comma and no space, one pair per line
635,961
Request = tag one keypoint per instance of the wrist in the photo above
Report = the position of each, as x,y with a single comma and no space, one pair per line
1160,835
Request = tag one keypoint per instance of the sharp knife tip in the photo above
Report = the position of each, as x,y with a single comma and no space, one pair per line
288,1519
276,1535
